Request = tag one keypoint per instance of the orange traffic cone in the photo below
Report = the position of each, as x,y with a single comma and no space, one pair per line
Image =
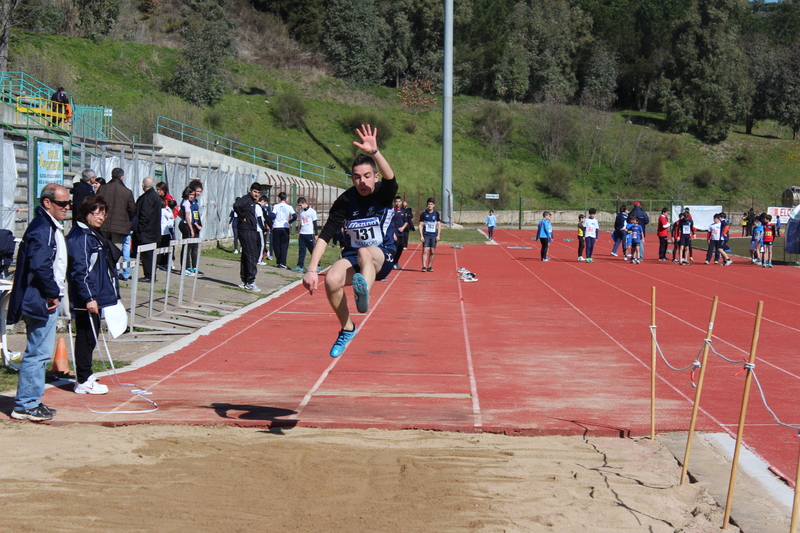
60,362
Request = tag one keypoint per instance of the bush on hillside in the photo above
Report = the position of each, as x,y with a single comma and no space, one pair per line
704,178
650,171
557,181
290,110
493,126
354,121
671,147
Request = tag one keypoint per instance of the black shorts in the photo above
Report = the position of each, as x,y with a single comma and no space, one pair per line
383,272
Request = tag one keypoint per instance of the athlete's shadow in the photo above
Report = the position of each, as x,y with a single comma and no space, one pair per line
256,412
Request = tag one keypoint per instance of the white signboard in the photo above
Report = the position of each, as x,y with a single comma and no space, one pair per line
783,212
492,196
702,215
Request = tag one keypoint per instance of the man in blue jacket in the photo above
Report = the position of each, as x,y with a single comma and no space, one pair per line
39,284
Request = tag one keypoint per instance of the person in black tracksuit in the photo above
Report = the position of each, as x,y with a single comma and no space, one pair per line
251,225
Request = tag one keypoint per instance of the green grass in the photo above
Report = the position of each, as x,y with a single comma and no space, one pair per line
8,379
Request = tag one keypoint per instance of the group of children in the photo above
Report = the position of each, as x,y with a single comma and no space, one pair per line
761,240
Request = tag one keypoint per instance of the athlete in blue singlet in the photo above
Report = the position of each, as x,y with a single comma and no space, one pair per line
430,228
364,211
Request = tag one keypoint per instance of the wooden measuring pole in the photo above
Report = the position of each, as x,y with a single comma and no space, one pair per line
742,414
796,504
653,363
699,390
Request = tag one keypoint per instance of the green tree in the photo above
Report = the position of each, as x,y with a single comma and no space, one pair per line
706,88
208,41
787,86
355,40
600,81
763,68
97,17
399,46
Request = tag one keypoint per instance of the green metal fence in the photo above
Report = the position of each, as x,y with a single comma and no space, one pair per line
251,154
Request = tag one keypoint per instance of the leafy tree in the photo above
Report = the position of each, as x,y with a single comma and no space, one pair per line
399,46
303,18
355,40
549,35
763,68
787,85
706,88
208,41
493,127
97,17
601,80
481,37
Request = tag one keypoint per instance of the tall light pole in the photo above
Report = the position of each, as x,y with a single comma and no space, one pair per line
447,116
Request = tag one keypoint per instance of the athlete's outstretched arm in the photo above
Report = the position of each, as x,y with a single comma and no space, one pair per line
369,143
311,279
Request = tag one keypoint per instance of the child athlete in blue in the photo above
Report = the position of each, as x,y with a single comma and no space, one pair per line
368,250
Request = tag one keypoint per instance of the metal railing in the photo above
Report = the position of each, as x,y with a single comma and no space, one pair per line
251,154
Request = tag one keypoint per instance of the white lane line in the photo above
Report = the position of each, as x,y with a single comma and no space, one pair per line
473,384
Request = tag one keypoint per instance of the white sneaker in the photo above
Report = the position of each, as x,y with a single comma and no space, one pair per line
252,287
470,279
581,259
461,270
261,263
614,254
91,386
242,285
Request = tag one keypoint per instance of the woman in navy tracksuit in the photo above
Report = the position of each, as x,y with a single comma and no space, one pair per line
93,285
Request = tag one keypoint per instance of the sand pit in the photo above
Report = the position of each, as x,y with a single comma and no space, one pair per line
190,478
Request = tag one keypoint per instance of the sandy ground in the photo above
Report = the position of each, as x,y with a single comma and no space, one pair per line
158,478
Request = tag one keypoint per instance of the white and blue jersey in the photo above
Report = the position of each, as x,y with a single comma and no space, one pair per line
428,223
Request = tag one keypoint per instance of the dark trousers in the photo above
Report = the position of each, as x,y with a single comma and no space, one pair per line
251,250
163,259
581,246
85,343
281,238
191,249
235,238
146,259
590,246
305,242
662,247
545,246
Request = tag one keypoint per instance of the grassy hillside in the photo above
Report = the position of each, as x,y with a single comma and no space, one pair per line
608,154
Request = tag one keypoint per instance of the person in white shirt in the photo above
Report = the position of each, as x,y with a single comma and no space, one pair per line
308,232
592,232
284,215
167,233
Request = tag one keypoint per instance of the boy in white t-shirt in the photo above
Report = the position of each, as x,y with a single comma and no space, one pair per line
284,215
308,232
592,232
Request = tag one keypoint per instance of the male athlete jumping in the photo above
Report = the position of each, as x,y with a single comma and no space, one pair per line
364,211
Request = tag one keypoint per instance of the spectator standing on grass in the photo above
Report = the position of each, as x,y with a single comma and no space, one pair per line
121,210
399,223
592,232
148,225
250,226
167,233
430,229
284,216
581,236
663,234
544,232
491,223
751,220
82,189
644,219
186,227
745,232
363,211
307,237
233,225
93,286
197,224
410,219
619,235
40,283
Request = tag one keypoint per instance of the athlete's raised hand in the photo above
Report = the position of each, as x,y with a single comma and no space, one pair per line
369,138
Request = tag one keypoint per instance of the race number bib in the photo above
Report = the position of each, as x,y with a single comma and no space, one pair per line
430,226
364,232
687,229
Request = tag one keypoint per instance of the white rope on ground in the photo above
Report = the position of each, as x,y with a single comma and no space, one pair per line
136,391
694,365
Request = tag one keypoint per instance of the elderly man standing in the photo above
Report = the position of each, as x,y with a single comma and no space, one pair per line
121,209
39,285
148,224
82,189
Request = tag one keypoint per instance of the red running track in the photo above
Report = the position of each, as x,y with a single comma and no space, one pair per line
532,348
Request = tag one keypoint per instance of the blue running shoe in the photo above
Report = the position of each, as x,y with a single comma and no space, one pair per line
361,291
342,341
